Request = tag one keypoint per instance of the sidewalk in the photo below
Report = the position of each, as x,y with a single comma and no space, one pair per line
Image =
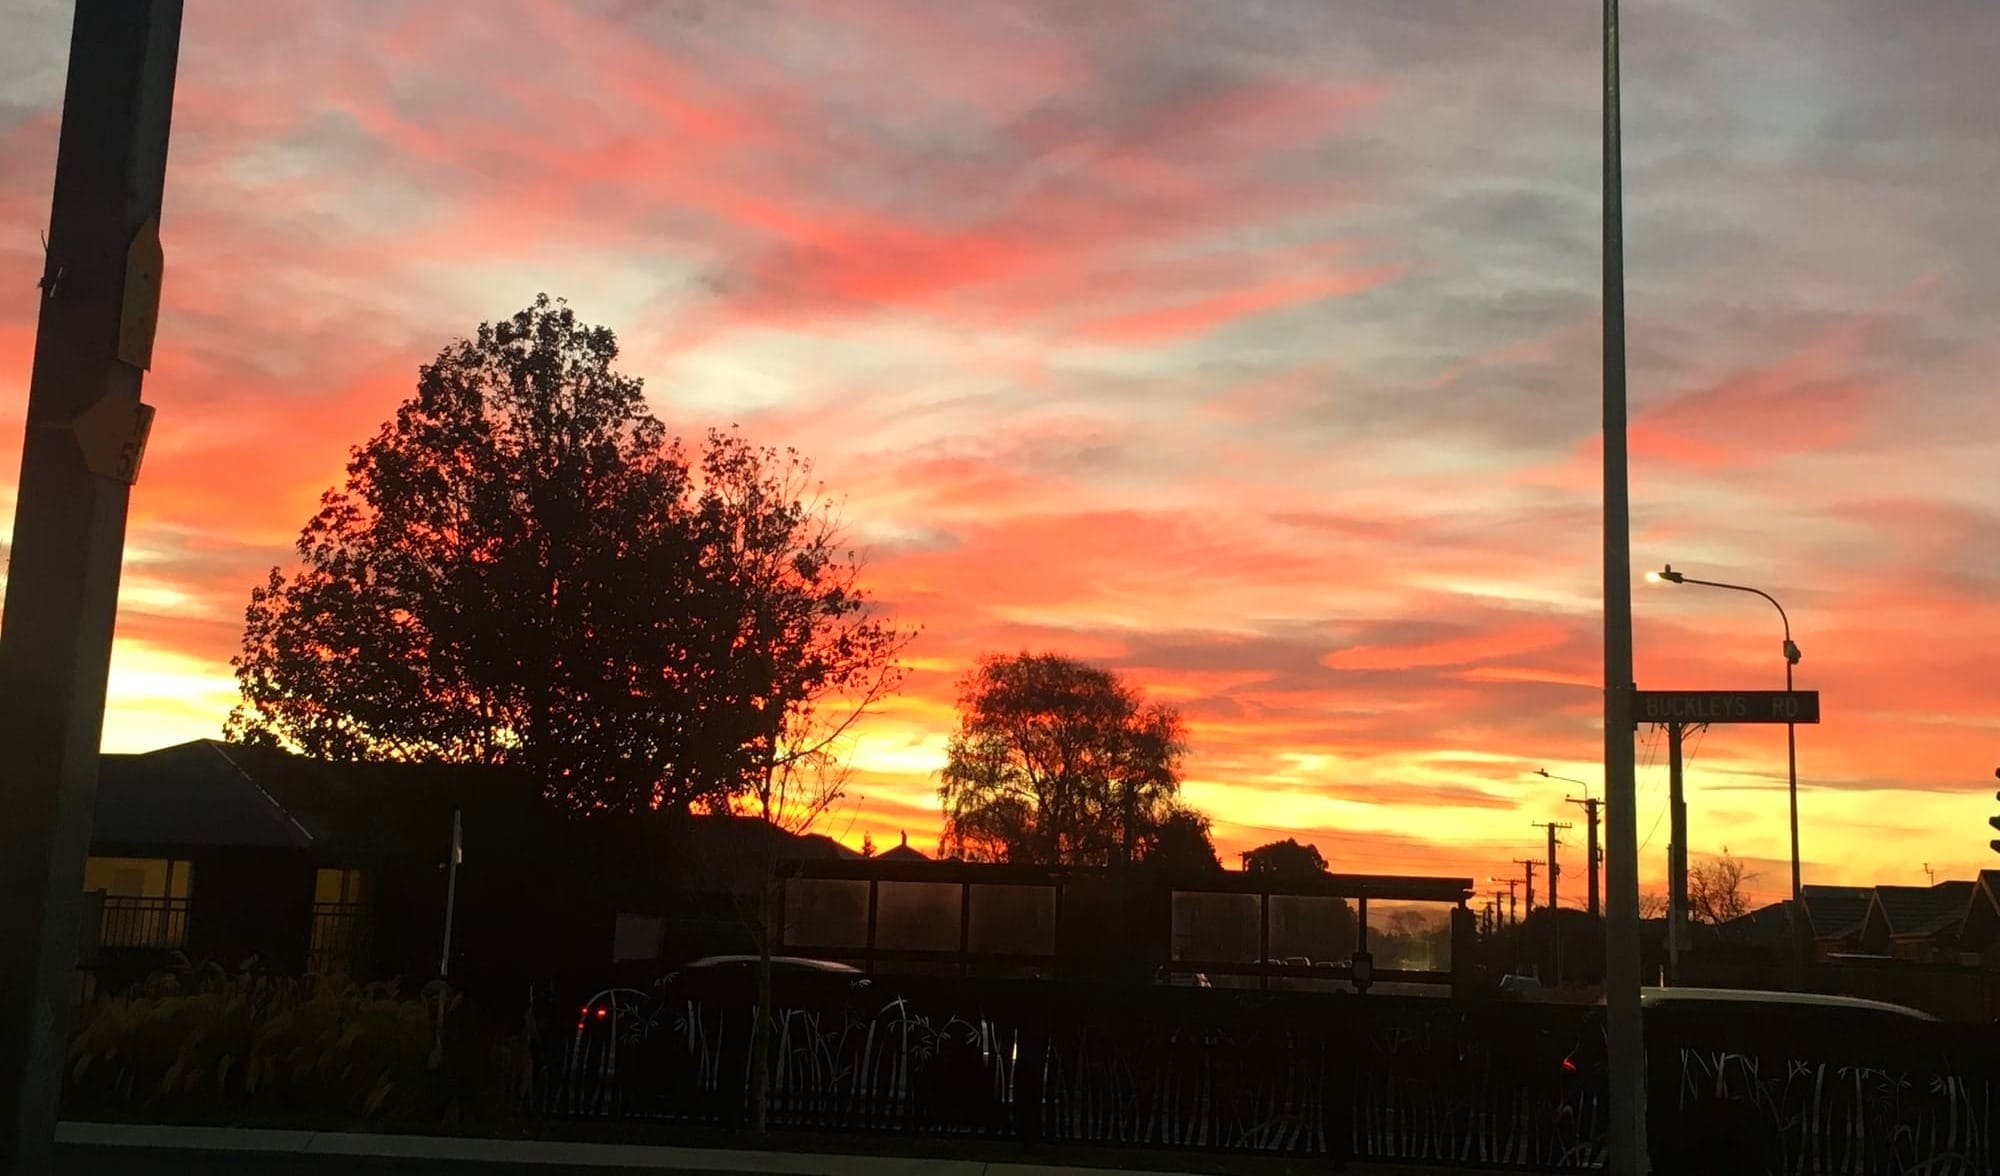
143,1150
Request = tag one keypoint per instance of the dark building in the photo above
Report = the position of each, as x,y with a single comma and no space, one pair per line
1835,915
230,854
186,821
221,853
1916,922
1979,937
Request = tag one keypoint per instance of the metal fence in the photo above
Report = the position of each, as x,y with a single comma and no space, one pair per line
142,922
1513,1086
340,936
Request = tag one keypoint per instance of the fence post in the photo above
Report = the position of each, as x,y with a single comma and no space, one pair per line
1337,1096
1029,1066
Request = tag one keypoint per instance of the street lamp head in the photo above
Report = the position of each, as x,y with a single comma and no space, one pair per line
1668,574
1791,651
1541,771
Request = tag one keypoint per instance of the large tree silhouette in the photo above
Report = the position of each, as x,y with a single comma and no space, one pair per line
1287,859
1057,762
523,568
1180,842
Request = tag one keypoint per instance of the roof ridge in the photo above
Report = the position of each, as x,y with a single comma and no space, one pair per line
217,746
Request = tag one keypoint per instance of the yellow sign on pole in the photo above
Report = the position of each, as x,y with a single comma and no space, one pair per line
112,435
139,316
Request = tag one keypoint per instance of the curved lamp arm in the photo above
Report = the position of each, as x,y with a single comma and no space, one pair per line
1674,577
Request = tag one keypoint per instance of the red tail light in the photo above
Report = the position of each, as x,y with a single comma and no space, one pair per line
1569,1067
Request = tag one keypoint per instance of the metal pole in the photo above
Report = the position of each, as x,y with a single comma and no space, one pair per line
1792,770
1625,1049
1677,873
1791,729
85,433
451,889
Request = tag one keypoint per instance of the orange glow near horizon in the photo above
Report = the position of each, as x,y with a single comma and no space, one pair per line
1252,355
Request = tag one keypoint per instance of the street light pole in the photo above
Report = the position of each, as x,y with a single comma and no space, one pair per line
1590,804
1791,651
1624,1043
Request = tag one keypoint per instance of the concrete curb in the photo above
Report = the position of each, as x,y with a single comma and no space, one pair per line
532,1152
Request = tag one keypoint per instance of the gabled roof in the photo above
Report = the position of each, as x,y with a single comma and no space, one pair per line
902,852
1987,886
1767,925
1923,910
1982,912
209,794
1835,912
190,794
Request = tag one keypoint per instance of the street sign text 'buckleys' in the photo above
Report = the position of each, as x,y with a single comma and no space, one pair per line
1725,706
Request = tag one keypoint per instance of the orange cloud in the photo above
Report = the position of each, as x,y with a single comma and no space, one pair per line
1255,358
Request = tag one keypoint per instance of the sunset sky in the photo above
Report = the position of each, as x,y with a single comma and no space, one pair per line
1248,348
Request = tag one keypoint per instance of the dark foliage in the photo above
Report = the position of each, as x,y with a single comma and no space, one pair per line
524,569
1057,762
1285,858
1180,843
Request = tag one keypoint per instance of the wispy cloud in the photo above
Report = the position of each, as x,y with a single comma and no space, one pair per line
1251,349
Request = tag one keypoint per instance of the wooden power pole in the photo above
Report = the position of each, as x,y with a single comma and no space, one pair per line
1596,856
1528,905
1555,911
100,296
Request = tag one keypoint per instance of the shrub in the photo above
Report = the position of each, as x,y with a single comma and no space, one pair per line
204,1044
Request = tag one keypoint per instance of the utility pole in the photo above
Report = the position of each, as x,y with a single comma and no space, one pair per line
1512,884
1528,864
1677,864
86,431
1555,910
1596,856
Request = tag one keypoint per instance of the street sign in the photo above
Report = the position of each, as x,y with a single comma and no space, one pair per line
1725,706
112,434
139,309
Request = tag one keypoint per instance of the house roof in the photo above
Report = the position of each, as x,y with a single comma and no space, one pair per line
1923,910
208,793
1835,911
190,794
1766,925
901,852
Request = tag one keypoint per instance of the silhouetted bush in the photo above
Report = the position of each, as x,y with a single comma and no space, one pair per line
205,1044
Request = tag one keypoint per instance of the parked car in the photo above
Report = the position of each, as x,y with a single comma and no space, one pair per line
1663,998
779,963
708,968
